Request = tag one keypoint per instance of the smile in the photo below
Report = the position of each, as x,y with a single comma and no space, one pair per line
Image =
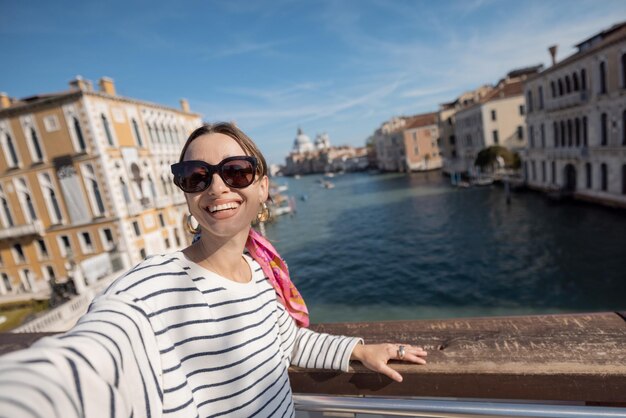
225,206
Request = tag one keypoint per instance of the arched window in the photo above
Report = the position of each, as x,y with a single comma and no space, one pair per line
12,153
560,87
152,186
585,131
150,133
79,135
137,134
553,89
555,134
602,71
36,145
604,129
604,175
577,123
570,135
94,190
50,197
575,81
624,179
588,173
28,209
5,214
563,133
583,79
568,85
107,129
125,191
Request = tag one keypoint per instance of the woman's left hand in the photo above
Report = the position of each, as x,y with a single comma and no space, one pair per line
376,356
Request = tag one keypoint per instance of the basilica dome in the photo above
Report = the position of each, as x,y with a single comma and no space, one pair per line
302,143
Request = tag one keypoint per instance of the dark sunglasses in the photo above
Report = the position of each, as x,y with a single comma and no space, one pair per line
195,176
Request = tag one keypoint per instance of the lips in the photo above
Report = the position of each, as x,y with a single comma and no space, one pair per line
222,207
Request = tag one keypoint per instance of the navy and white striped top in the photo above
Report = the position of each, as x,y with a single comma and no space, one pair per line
170,339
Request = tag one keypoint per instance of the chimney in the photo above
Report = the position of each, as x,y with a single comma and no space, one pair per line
107,86
5,100
78,84
184,105
552,50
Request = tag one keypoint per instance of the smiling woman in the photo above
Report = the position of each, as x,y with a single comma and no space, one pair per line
207,331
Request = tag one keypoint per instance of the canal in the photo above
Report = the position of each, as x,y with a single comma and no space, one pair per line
395,246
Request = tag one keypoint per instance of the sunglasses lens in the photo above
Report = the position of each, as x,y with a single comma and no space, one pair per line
238,173
194,178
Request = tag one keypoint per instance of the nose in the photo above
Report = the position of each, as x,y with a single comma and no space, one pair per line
217,185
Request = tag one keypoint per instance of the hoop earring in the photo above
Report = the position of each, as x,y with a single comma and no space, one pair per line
264,213
189,225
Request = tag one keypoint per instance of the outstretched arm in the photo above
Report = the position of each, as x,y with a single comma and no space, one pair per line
376,356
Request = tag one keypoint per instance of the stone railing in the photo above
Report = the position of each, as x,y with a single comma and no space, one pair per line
36,228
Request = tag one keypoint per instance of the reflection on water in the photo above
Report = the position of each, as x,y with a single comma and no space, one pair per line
396,246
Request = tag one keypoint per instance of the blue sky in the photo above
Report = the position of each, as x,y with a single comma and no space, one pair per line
341,67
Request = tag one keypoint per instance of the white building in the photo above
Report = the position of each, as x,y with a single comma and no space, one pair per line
577,121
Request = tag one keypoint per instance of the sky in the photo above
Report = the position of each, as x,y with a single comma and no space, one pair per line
342,67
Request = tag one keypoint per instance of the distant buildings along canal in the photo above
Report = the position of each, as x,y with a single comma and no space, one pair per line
577,121
85,181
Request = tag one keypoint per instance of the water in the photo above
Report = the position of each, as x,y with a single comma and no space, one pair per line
380,247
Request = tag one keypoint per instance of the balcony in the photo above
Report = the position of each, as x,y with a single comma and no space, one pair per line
18,231
576,98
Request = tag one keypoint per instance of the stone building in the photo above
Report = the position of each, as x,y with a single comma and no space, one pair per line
577,121
408,144
496,118
85,183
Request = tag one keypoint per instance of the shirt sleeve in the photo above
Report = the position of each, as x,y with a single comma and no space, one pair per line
108,365
314,350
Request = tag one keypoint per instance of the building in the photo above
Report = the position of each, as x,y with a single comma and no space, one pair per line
320,156
496,118
85,184
408,144
577,121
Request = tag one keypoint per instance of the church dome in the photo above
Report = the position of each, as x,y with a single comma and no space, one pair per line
302,143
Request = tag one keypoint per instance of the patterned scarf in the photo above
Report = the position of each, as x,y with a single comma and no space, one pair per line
276,270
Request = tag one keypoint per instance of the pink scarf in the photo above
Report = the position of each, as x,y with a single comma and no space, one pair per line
276,270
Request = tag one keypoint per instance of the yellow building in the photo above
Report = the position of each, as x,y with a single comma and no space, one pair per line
85,184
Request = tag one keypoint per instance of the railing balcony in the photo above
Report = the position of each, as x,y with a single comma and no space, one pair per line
17,231
575,98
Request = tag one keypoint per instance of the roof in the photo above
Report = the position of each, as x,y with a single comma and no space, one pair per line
419,121
503,90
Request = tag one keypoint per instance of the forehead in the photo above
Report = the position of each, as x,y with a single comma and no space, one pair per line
213,148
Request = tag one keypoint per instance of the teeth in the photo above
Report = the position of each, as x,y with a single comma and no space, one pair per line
225,206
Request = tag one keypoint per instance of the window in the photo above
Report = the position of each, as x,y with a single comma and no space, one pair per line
79,135
27,280
543,136
577,129
533,168
585,131
540,97
583,79
570,136
161,220
604,176
453,138
624,179
521,109
588,173
563,133
560,87
142,253
568,84
86,243
495,136
51,123
493,113
167,243
177,238
106,237
125,191
65,246
49,271
453,153
604,129
555,134
553,172
553,89
543,171
42,248
28,209
602,75
520,132
532,136
11,152
164,184
575,81
150,133
5,210
624,127
136,228
623,70
137,133
6,281
107,129
18,254
50,197
95,196
36,146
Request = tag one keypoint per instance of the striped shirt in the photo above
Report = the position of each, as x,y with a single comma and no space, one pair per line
171,339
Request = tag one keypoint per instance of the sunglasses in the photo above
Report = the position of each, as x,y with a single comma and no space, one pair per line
195,176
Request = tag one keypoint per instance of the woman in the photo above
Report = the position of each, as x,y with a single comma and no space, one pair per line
207,331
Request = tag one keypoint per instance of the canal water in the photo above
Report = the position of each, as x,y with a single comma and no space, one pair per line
396,246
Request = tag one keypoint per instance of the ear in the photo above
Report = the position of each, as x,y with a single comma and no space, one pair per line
263,189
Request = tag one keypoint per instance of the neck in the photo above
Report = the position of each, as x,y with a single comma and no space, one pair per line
221,255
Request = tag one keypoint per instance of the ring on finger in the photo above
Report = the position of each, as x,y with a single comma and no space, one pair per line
401,352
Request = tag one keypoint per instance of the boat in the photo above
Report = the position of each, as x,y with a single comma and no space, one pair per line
328,185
